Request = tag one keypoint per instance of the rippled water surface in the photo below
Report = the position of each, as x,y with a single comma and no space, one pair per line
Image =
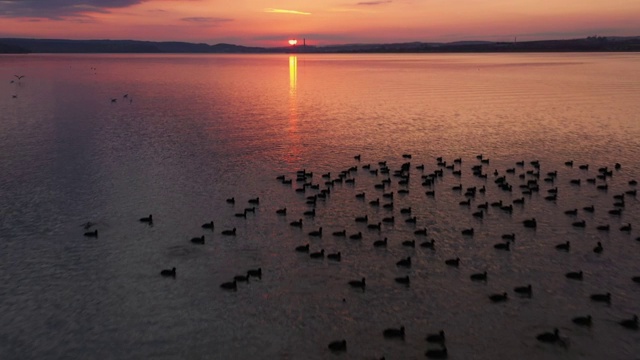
196,130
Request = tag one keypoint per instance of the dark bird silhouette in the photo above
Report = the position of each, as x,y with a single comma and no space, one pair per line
148,219
630,323
582,320
575,275
523,290
453,262
598,249
380,243
479,276
255,273
601,298
394,333
437,353
549,337
317,255
405,262
208,225
198,240
338,346
436,338
231,285
360,284
498,297
229,232
303,248
93,233
166,272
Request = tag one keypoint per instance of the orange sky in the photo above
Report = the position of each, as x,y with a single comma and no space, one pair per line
321,22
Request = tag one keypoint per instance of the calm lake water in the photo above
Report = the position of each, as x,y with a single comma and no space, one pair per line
195,130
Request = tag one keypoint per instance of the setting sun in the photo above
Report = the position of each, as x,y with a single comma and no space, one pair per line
293,42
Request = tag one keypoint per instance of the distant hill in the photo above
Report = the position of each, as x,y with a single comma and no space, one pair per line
12,49
591,44
122,46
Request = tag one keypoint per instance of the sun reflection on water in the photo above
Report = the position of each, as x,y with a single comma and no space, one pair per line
294,137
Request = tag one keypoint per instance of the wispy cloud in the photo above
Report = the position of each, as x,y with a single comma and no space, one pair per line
59,9
371,3
283,11
207,20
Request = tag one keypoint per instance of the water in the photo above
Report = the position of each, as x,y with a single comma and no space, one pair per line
196,130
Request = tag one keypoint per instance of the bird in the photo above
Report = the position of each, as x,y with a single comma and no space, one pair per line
148,219
20,77
436,338
523,290
296,223
422,231
582,320
316,233
93,233
231,285
409,243
254,200
564,247
530,223
357,236
208,225
362,218
503,246
575,275
231,200
255,273
167,272
549,337
468,232
630,323
229,232
437,353
479,276
509,236
411,220
453,262
601,298
431,244
498,297
282,211
338,346
317,255
241,278
380,243
404,262
335,256
361,284
394,333
303,248
198,240
403,280
340,233
598,249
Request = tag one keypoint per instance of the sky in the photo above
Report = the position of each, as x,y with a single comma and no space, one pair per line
320,22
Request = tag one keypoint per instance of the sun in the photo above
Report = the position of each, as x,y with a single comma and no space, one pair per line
293,42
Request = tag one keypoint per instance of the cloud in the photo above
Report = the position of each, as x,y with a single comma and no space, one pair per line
370,3
206,20
59,9
283,11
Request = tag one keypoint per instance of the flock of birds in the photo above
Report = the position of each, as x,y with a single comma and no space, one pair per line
530,181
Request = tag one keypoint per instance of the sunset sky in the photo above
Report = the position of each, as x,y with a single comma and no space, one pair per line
321,22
